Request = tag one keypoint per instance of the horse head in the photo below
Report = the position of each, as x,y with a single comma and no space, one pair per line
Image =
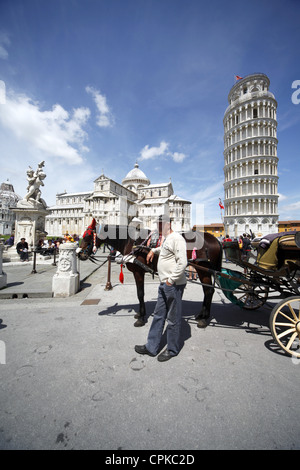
89,243
96,234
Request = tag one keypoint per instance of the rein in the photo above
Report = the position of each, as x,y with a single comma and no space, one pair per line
133,252
93,260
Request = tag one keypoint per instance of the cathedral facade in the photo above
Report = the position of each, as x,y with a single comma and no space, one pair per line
135,200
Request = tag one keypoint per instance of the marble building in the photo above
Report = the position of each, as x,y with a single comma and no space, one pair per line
8,200
250,158
136,199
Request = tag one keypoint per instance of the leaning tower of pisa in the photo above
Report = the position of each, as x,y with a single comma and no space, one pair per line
250,158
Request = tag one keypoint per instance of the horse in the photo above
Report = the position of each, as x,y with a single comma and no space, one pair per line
131,243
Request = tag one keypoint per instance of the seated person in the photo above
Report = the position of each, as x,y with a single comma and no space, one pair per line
22,249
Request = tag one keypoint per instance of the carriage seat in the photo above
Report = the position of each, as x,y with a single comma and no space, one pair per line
281,249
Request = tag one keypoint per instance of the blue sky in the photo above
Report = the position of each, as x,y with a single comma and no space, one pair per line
96,85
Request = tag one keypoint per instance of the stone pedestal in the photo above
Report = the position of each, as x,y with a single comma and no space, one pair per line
66,280
3,277
30,222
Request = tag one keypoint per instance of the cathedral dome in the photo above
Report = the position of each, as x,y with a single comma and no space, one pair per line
135,179
8,197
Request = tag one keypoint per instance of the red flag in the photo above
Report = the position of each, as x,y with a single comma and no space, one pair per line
237,77
220,204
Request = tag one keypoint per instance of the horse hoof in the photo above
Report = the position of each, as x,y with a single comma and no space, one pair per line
202,323
139,322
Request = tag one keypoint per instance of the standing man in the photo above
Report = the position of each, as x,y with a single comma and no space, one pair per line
22,249
246,250
171,266
226,239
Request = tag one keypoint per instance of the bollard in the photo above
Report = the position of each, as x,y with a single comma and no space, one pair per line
54,256
108,283
66,280
3,276
34,263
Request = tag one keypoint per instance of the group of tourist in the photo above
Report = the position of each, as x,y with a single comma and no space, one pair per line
44,246
244,242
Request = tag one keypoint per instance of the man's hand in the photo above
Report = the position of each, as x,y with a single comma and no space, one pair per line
150,256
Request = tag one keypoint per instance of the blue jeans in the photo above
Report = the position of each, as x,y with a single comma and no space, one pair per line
168,307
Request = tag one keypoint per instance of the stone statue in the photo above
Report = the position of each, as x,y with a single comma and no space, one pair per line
35,180
31,211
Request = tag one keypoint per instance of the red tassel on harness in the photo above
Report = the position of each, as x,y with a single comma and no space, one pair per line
121,276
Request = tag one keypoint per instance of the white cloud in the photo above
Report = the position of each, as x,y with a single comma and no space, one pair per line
53,133
105,117
178,157
4,42
153,152
295,206
148,153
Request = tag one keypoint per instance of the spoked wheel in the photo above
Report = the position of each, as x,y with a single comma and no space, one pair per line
285,325
252,297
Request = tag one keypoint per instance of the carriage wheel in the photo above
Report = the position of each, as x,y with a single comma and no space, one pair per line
285,325
252,297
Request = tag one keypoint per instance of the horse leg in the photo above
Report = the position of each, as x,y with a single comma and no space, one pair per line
139,280
203,317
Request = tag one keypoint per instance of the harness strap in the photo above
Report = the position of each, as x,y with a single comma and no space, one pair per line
94,241
144,266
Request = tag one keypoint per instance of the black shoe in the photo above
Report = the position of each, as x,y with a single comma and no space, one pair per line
165,356
143,350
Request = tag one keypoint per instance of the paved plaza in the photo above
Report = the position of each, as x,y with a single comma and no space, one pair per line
72,380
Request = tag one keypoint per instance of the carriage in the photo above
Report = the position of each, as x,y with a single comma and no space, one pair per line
274,275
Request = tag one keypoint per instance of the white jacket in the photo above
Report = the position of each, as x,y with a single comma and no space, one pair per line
172,259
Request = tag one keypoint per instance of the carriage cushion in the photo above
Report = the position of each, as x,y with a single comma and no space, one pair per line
287,240
267,257
291,251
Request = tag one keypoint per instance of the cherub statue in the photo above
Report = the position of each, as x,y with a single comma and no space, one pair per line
35,180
